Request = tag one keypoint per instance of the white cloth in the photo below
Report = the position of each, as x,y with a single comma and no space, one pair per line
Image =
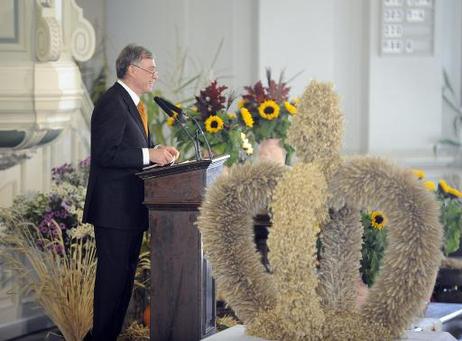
237,333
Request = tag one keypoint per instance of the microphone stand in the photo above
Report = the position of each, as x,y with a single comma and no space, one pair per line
167,108
200,131
197,153
197,146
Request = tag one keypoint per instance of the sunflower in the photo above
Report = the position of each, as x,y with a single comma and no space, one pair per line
295,100
171,119
378,220
454,192
430,185
247,117
213,124
292,109
419,174
241,103
269,110
443,185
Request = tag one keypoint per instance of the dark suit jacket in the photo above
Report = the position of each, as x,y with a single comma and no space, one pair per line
114,193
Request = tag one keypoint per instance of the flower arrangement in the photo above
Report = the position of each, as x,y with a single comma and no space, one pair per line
59,211
45,230
220,125
60,281
266,111
374,223
450,202
374,243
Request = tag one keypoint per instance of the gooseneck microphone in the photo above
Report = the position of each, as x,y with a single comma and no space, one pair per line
170,109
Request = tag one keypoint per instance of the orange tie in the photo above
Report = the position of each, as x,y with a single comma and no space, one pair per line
144,116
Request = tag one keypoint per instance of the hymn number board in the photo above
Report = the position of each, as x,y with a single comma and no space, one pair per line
407,27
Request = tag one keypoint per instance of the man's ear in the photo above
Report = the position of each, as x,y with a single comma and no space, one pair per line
130,71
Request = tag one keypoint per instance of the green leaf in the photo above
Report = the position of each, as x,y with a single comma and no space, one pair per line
450,142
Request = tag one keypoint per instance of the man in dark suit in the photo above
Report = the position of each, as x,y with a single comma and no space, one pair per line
120,147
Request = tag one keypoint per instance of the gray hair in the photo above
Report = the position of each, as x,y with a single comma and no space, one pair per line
131,54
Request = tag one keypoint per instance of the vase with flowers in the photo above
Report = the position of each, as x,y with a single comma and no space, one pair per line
220,125
266,111
450,201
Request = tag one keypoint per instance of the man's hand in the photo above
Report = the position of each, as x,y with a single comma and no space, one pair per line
163,155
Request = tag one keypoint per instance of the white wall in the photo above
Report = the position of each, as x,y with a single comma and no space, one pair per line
451,43
404,96
297,35
197,26
351,70
324,40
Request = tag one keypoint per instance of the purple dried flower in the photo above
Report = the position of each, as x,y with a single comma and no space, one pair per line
58,173
59,249
64,213
85,162
43,228
48,216
54,232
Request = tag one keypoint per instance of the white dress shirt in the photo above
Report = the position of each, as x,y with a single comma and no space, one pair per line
136,100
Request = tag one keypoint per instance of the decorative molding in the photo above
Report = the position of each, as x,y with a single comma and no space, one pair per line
19,41
10,158
14,39
32,138
82,36
46,168
83,43
48,3
48,39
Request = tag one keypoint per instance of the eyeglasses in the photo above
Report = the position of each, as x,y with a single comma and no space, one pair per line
154,72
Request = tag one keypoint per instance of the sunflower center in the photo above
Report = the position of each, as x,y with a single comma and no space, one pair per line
269,110
379,220
214,124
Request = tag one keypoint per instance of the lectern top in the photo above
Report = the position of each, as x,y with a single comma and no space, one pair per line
185,166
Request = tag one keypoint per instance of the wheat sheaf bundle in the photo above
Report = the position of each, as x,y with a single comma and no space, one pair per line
321,193
61,283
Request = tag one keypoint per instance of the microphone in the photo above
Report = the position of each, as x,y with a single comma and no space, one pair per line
170,109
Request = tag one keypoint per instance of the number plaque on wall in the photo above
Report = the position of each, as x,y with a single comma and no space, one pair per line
407,27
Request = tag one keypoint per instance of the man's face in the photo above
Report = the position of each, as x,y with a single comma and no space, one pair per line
145,75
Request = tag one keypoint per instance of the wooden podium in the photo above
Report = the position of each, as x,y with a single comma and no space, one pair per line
182,287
